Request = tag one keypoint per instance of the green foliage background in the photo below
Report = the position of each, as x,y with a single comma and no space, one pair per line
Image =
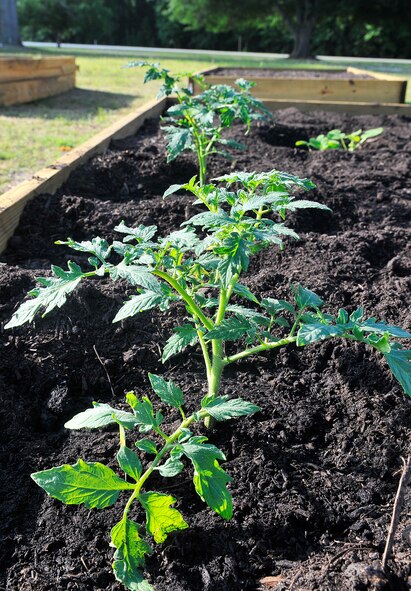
377,28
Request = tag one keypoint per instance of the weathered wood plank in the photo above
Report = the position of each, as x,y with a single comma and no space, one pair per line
49,179
381,88
320,89
27,68
362,108
374,74
25,91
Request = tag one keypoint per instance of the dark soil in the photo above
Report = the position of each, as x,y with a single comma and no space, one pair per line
270,73
315,473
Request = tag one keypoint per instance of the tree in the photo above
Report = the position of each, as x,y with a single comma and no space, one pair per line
9,26
79,21
299,16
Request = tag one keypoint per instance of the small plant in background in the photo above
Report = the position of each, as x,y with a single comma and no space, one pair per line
200,267
197,123
337,140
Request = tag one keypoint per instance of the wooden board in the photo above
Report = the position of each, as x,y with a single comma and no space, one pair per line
25,91
321,89
49,179
23,79
381,89
374,74
18,68
341,107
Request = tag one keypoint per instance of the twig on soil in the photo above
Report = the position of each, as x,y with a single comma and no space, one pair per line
340,554
398,503
84,564
105,369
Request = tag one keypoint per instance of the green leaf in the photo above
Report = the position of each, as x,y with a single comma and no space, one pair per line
129,558
210,480
147,445
244,292
90,483
178,139
143,409
183,240
129,462
248,314
168,392
305,204
316,331
162,519
223,409
183,336
100,416
141,233
171,467
305,298
399,361
209,219
357,315
136,275
381,343
138,303
229,329
371,133
274,306
381,328
342,317
53,294
97,246
172,189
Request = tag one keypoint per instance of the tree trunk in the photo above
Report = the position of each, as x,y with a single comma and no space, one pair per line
306,20
9,26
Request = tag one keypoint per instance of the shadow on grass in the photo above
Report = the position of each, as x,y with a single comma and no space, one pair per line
75,104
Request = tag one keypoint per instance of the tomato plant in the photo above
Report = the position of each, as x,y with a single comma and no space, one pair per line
197,123
199,267
337,140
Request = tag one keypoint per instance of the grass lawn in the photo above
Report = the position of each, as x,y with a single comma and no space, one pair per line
36,134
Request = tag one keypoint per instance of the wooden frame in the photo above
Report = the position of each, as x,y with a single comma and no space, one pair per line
23,79
355,108
49,179
382,89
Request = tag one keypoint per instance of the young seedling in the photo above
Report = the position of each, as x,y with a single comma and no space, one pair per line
337,139
98,486
197,123
199,266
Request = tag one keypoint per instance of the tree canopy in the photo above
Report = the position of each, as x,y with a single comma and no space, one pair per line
376,28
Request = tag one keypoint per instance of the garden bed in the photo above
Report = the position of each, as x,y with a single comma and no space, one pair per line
351,90
315,472
25,79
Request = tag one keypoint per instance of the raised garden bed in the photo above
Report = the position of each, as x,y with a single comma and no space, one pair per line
23,79
315,472
351,90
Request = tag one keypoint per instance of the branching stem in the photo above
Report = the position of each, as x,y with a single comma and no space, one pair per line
259,349
164,450
194,309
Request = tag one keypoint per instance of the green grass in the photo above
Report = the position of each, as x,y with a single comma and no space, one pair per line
35,135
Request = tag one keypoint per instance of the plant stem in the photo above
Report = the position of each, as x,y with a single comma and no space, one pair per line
258,349
214,377
194,309
165,449
206,354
